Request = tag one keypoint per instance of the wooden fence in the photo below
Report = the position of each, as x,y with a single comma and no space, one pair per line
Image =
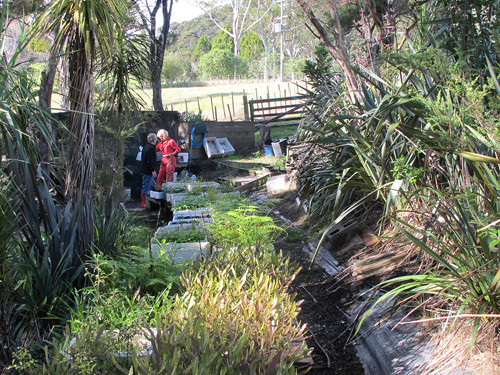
283,111
231,106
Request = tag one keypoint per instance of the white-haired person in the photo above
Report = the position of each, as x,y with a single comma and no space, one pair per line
169,150
148,170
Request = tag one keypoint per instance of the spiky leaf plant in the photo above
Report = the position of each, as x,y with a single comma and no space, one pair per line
463,279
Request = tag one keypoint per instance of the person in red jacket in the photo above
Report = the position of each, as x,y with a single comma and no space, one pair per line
169,150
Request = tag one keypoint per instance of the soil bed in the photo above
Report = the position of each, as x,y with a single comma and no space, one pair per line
323,308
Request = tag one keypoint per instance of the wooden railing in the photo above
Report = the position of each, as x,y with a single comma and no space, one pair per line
277,111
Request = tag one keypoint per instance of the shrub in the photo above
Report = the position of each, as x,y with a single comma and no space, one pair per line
242,227
235,317
217,63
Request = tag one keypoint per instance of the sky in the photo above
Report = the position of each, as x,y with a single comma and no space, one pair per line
184,10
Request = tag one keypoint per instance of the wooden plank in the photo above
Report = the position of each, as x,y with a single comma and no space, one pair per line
274,108
300,97
266,123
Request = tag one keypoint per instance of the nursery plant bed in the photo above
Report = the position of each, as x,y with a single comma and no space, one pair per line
187,214
202,185
181,252
192,216
171,226
191,221
175,197
174,187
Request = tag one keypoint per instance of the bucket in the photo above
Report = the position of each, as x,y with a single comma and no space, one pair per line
279,147
268,148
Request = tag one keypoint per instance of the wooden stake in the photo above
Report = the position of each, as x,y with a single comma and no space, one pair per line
229,110
212,106
223,107
245,107
232,99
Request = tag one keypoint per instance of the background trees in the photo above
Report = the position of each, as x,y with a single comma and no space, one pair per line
217,63
240,13
203,46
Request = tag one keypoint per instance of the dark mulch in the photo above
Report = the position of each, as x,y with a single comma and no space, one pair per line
323,304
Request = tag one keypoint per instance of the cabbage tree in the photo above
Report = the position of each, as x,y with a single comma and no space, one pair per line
85,27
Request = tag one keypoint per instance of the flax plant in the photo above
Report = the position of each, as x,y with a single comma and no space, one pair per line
463,280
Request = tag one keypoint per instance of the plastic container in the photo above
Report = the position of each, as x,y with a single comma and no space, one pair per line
268,148
182,157
157,194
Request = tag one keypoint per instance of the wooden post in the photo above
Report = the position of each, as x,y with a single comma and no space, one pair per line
199,107
212,106
245,107
215,114
251,111
223,107
232,99
256,95
186,102
268,92
229,110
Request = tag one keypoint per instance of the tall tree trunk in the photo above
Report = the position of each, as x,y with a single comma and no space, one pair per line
81,143
157,48
337,48
45,100
156,86
383,14
63,84
372,49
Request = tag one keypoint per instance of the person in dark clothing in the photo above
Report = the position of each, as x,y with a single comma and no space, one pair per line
148,161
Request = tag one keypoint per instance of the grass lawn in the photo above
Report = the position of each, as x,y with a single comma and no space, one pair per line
220,101
279,132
